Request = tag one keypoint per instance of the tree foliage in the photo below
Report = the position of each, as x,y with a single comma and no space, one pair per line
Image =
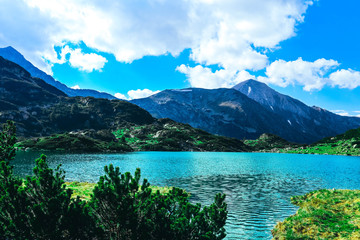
41,207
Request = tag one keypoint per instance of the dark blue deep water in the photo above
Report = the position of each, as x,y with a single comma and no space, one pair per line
258,186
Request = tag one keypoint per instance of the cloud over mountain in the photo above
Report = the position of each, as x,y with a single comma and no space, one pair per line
225,32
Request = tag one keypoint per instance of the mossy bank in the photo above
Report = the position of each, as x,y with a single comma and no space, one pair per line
323,214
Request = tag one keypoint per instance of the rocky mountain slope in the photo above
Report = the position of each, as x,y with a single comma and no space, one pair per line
247,111
316,122
13,55
40,109
222,111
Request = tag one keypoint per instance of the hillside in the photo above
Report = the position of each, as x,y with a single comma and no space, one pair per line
269,143
343,144
162,135
13,55
168,135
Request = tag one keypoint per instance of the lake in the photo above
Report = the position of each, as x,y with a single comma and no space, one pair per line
258,186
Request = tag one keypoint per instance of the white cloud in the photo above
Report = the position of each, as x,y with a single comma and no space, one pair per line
346,113
203,77
224,32
141,93
121,96
341,112
76,87
311,75
135,94
87,62
345,78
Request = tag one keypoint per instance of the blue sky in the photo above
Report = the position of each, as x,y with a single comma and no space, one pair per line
306,49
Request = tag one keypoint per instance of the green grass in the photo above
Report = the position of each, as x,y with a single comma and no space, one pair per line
323,214
85,189
338,147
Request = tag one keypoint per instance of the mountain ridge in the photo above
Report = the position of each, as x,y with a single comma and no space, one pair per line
276,113
13,55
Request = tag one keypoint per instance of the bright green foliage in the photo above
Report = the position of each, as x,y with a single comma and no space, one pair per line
167,135
7,141
323,214
128,212
52,214
73,142
84,190
42,207
12,208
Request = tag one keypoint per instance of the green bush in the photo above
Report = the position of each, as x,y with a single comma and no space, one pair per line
41,207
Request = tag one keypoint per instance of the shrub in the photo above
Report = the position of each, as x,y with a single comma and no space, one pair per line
41,206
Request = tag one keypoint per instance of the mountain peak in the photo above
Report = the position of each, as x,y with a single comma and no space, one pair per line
11,54
247,87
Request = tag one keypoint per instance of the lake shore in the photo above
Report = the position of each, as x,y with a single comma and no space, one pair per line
323,214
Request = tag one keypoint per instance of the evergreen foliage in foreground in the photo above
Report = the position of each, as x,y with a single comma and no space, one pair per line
41,207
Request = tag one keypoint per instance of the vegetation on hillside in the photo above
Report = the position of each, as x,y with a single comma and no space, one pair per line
168,135
323,214
269,142
83,141
42,206
343,144
162,135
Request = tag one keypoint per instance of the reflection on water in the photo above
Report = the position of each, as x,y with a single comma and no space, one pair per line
255,202
258,186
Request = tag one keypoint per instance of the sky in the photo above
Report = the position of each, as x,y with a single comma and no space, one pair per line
306,49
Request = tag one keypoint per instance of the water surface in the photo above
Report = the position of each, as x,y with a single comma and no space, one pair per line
258,186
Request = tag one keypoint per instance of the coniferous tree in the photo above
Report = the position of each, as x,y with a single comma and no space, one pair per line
126,211
12,202
42,208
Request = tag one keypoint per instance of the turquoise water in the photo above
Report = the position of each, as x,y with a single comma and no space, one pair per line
258,186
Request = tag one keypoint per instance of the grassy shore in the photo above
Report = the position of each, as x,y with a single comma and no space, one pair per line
323,214
85,189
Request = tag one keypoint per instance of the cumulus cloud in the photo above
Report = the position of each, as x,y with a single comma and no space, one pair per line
204,77
120,96
345,78
341,112
135,94
76,87
311,75
87,62
141,93
346,113
228,33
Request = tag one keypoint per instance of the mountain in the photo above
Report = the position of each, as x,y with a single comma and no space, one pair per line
221,111
316,122
13,55
40,109
47,119
246,111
